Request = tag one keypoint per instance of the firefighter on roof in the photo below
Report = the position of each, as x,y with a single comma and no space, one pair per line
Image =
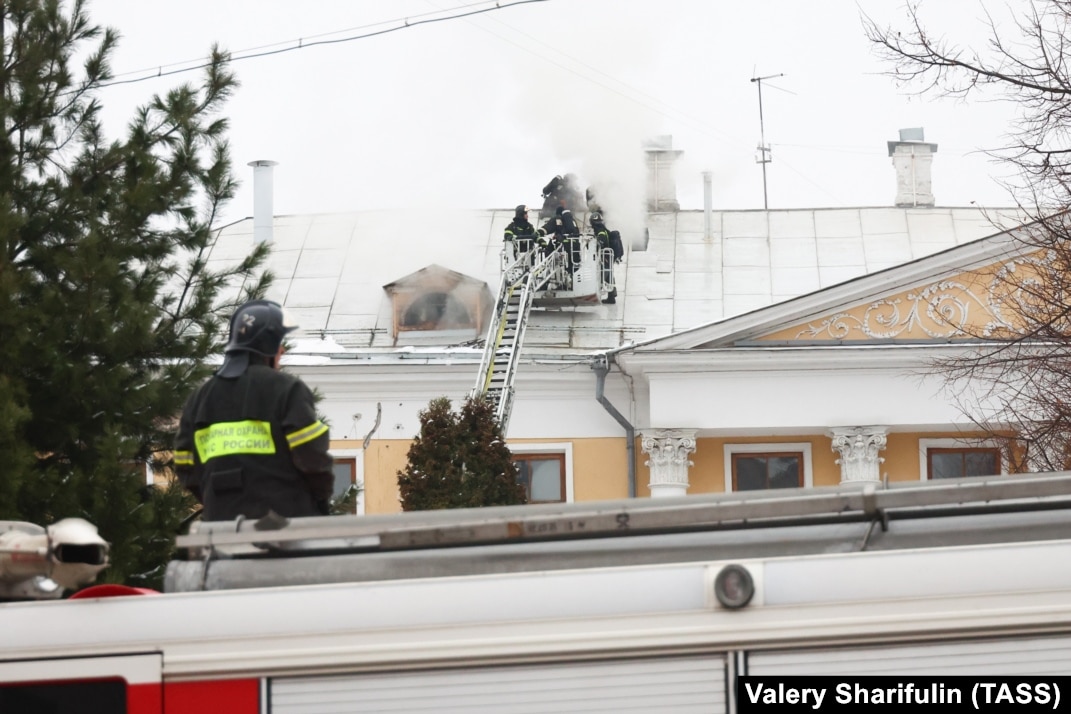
249,440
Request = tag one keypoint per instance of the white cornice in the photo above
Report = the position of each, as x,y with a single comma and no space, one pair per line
835,357
419,377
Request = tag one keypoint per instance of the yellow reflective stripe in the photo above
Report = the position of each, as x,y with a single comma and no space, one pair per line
234,437
183,458
304,436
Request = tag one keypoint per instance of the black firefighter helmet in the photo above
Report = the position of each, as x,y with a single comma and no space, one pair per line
257,327
520,212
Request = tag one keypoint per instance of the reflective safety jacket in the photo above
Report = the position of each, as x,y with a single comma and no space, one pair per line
254,443
519,228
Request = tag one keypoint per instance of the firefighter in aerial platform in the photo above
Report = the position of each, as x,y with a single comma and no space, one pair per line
522,232
607,239
249,441
561,192
551,201
591,201
562,230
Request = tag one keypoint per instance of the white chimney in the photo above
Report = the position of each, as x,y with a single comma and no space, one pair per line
661,181
263,189
912,158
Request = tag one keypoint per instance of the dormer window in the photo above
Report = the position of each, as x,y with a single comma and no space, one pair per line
437,311
438,306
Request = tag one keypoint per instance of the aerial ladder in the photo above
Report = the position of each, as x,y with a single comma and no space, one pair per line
524,274
574,271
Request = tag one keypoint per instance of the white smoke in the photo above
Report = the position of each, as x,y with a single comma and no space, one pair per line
593,131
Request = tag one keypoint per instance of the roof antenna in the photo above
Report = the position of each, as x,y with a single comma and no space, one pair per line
764,156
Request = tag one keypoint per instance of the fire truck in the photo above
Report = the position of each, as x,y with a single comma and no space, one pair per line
639,605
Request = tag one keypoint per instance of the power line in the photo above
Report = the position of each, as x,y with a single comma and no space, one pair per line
301,40
632,94
407,23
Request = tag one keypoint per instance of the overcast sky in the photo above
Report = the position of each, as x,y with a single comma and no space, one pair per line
479,112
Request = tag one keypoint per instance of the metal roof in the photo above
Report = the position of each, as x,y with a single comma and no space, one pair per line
331,269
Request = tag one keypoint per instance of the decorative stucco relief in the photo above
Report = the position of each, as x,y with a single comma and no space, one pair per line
944,309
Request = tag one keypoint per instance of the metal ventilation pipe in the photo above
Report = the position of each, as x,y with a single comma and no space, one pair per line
263,190
708,205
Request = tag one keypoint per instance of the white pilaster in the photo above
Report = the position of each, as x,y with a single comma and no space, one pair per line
669,450
858,447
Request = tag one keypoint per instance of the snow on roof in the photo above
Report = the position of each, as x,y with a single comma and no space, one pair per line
331,269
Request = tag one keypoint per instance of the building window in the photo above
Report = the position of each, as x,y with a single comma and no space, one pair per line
755,472
348,471
545,471
435,300
756,467
957,463
957,458
345,476
542,475
436,311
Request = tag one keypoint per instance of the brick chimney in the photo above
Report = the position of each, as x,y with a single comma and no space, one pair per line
912,158
661,178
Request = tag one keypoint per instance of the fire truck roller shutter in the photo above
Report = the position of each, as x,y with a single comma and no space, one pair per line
682,685
1033,656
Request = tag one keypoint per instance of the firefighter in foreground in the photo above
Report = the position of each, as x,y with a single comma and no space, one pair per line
249,441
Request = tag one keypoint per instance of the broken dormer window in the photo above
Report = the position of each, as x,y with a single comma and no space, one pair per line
438,306
436,311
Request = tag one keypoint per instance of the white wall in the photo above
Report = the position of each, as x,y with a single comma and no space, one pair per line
746,401
555,401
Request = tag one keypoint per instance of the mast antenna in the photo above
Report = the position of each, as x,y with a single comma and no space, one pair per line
764,157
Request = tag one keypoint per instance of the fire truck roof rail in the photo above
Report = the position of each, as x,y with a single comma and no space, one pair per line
875,503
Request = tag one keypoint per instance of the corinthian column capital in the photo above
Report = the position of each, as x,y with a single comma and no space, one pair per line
669,450
858,447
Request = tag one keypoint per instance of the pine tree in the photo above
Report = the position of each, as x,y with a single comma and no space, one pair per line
107,308
459,460
491,475
433,469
